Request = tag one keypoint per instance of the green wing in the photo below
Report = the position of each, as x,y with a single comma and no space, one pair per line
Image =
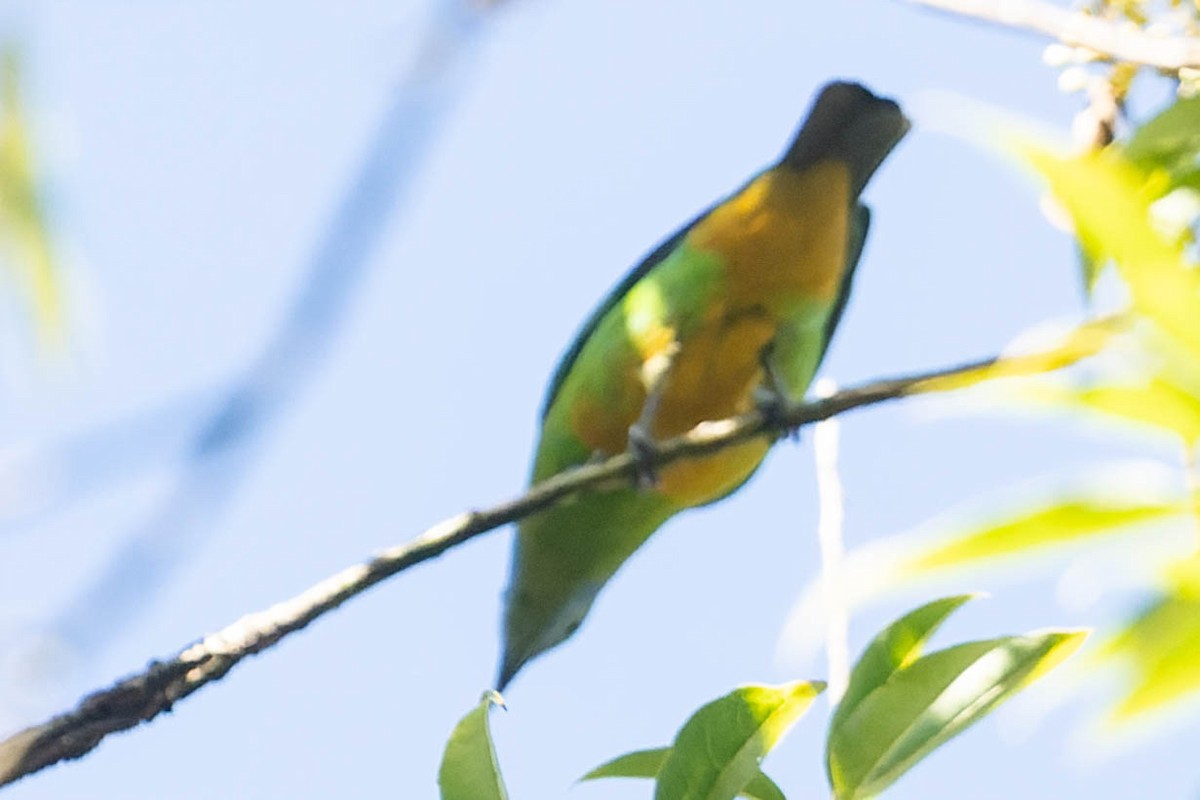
614,296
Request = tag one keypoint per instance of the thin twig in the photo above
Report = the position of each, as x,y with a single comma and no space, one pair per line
831,516
145,695
1115,40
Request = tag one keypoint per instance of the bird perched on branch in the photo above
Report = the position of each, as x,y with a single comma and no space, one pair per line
738,305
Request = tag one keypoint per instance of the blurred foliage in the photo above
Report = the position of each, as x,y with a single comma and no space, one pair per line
1084,341
25,242
1160,648
1184,14
1161,17
1066,520
1133,207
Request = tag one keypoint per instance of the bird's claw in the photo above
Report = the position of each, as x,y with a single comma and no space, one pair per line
771,396
643,449
773,405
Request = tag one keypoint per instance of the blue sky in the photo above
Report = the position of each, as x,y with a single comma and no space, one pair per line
196,155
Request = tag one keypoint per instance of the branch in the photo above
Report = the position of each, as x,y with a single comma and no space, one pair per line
1115,40
144,696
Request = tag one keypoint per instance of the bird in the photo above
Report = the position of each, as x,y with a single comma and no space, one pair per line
735,308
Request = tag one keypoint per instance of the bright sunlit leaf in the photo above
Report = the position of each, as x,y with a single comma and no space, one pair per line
1156,403
1109,199
1161,647
1064,521
1083,342
647,763
718,750
929,700
469,769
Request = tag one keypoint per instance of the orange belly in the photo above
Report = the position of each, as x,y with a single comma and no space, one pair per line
780,247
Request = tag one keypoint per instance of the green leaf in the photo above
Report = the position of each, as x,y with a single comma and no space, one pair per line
469,769
638,764
717,751
1108,198
929,701
647,763
1170,140
761,787
1187,178
897,646
1091,268
1059,523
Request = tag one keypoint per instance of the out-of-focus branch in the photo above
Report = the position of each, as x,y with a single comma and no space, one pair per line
223,446
144,696
1115,40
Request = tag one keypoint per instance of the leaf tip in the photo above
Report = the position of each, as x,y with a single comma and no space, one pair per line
493,698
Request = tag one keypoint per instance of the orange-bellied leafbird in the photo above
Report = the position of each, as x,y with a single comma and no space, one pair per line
742,300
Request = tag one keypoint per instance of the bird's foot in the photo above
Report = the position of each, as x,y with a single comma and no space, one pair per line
771,397
644,450
773,403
